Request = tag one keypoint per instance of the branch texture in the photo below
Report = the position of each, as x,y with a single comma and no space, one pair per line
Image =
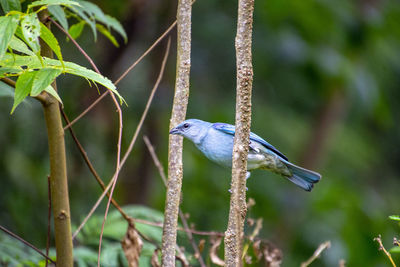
237,213
58,171
175,172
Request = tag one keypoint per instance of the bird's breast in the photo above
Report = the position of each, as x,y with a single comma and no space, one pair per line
217,146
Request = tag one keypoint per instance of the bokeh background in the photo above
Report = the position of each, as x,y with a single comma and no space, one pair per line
325,93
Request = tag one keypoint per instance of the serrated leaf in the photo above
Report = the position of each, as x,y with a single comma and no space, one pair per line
43,78
13,61
23,87
53,2
91,22
114,24
8,25
52,92
31,30
107,34
6,90
94,11
9,5
59,14
394,217
76,30
48,37
18,45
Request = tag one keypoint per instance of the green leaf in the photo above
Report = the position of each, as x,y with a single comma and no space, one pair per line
32,62
23,87
76,30
94,11
114,24
48,37
6,90
49,89
5,71
31,31
9,5
18,45
8,25
395,250
53,2
43,78
59,14
91,22
394,217
107,34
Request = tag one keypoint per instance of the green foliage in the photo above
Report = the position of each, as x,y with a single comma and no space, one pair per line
114,230
8,25
107,34
394,217
47,36
31,30
22,32
76,29
59,15
9,5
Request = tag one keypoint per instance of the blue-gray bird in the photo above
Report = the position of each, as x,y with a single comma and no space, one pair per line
215,140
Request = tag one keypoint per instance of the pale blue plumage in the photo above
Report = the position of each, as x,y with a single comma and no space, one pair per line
215,140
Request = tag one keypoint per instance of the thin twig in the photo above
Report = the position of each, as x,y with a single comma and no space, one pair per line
146,109
123,75
381,247
12,83
93,208
91,167
25,243
126,154
134,140
75,43
117,168
160,168
317,253
48,219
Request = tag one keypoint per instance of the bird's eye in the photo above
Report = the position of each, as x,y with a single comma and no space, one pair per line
186,125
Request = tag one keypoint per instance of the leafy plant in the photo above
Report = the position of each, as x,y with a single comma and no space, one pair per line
20,50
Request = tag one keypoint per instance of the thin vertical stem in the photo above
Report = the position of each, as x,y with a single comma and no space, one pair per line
175,172
237,213
58,170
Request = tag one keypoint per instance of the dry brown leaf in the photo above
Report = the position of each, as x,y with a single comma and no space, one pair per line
154,259
265,250
132,245
215,243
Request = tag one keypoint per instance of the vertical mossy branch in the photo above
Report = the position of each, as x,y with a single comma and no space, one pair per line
237,213
175,172
58,171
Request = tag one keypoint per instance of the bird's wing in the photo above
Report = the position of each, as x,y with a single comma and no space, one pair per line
230,129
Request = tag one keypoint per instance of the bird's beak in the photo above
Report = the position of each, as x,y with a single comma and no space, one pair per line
174,131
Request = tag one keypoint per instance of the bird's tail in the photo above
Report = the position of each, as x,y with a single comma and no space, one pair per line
302,177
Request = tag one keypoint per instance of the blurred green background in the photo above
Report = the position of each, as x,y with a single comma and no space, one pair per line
325,93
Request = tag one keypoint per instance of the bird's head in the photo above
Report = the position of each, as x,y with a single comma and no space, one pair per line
192,129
